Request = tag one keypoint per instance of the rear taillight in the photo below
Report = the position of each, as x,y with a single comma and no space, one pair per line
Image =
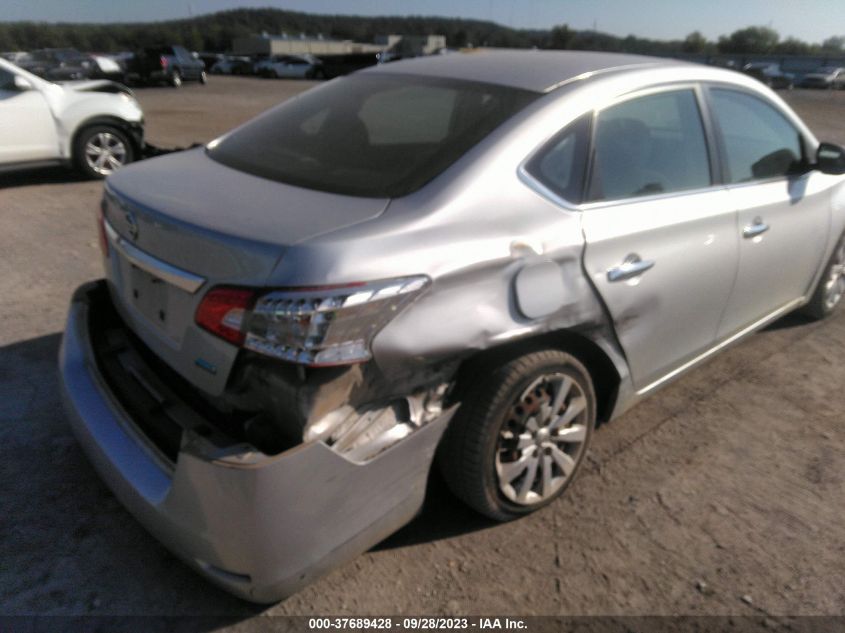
101,229
163,61
317,326
222,312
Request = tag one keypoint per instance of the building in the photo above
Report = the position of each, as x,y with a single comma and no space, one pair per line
412,45
284,44
289,45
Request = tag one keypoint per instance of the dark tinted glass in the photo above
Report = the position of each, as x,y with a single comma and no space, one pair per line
759,141
560,165
649,145
370,135
7,80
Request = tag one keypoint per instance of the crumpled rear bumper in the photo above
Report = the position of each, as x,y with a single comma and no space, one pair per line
259,526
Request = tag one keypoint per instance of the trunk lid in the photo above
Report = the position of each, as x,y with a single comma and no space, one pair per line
180,224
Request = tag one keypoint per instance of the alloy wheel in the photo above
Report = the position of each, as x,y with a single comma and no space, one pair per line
541,440
834,287
105,152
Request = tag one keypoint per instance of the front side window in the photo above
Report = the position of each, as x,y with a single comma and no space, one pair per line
649,145
759,142
370,135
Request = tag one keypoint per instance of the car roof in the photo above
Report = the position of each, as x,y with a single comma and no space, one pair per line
535,70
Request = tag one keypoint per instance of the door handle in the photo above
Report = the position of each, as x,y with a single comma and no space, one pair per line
633,266
753,230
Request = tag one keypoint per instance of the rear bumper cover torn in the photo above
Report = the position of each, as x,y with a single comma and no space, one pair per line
260,526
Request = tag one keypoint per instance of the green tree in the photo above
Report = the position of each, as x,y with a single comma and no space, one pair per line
561,37
835,44
754,39
792,46
695,42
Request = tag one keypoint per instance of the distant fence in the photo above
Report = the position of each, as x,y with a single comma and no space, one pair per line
797,64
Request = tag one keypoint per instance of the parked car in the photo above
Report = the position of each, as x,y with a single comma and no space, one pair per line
58,64
290,67
232,65
830,77
475,255
107,67
209,59
96,126
14,56
166,64
338,65
770,74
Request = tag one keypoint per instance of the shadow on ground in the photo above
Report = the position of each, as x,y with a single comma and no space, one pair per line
791,320
69,547
443,516
43,176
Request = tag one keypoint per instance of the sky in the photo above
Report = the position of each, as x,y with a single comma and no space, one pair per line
808,20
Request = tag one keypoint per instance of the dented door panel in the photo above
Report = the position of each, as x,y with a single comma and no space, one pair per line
667,313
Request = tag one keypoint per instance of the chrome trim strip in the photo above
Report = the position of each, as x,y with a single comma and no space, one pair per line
182,279
754,326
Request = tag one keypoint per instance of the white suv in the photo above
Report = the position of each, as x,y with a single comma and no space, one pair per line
96,126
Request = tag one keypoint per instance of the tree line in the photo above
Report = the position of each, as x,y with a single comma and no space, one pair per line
216,31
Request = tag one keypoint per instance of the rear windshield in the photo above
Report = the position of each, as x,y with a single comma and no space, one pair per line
380,136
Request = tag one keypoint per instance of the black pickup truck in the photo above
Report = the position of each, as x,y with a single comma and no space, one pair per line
165,64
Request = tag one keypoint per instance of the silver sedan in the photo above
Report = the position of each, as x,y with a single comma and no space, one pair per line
471,256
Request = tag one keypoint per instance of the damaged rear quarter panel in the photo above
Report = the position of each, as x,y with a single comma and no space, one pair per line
474,241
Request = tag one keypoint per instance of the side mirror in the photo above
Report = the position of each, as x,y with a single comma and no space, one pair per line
830,159
22,84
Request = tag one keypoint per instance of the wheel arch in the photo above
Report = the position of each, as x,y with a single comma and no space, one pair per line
603,371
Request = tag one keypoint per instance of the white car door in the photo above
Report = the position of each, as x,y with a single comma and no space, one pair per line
27,128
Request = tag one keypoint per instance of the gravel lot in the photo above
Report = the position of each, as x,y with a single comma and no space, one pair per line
721,494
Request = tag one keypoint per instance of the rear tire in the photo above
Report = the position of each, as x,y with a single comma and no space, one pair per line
520,434
831,287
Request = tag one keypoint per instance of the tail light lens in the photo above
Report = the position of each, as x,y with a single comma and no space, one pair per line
222,312
321,326
163,61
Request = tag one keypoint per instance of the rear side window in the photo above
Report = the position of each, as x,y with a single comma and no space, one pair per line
649,145
759,142
561,165
380,136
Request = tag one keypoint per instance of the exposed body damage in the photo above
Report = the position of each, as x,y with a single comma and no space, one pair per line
57,113
288,349
348,408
